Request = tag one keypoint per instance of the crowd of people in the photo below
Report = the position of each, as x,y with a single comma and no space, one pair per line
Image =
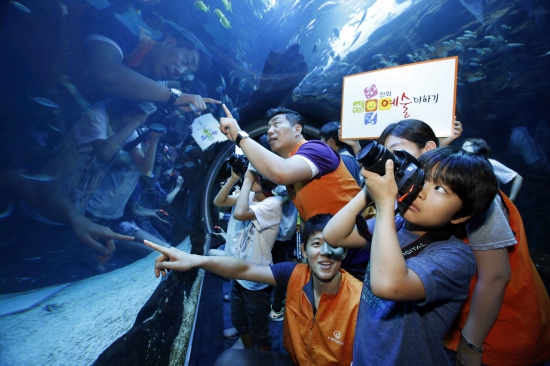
446,280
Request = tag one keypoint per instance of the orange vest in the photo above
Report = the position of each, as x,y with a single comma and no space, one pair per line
327,337
324,195
521,333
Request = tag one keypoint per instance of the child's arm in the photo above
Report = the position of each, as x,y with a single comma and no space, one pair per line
390,277
223,199
229,267
493,271
340,230
516,186
243,212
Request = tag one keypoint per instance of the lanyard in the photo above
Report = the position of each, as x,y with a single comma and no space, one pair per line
414,248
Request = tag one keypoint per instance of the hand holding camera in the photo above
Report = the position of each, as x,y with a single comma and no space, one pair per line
407,170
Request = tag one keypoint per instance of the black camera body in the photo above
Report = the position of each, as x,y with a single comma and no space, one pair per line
408,172
164,119
239,163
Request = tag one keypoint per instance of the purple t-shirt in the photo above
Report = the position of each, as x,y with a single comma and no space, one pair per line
320,154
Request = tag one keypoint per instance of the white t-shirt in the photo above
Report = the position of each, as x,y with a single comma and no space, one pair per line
255,241
502,172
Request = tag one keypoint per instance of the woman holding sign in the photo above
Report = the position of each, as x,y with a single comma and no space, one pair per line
505,319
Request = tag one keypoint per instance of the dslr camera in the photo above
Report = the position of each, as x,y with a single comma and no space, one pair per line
164,119
239,163
409,175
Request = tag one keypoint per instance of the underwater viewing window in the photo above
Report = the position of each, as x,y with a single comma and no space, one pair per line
117,119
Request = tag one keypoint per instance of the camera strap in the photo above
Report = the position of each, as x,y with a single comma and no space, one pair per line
413,249
135,142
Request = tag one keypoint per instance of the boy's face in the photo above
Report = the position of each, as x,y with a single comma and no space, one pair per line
323,267
434,207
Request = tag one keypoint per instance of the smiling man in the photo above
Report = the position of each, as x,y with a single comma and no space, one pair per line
322,299
125,62
309,169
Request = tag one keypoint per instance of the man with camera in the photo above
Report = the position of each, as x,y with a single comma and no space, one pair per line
316,178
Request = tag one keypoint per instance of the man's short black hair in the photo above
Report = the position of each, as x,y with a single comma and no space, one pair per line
314,225
469,176
293,117
330,130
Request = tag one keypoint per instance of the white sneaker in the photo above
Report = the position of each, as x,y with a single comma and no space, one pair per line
276,316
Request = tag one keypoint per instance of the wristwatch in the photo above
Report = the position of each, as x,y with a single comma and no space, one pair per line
174,95
241,135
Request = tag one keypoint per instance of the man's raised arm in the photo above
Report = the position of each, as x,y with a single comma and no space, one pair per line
269,165
228,267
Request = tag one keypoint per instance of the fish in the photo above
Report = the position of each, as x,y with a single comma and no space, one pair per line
546,54
307,5
447,43
219,13
219,89
516,44
504,26
21,279
473,79
462,38
227,5
21,7
362,18
488,27
501,38
491,38
336,31
475,59
45,102
232,76
223,82
242,84
380,55
410,57
225,22
469,35
469,32
33,259
293,6
201,6
327,5
38,177
310,25
474,64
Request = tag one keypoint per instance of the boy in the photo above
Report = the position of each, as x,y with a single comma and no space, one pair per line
251,301
322,299
412,293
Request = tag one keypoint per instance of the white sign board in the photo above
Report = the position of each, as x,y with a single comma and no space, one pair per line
206,131
423,90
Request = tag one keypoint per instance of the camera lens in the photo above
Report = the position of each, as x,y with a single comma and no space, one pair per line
239,163
373,157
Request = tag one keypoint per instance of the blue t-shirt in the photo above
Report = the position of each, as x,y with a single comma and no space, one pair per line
411,332
320,154
351,164
283,271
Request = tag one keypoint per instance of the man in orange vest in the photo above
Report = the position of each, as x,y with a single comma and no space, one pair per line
316,178
322,299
